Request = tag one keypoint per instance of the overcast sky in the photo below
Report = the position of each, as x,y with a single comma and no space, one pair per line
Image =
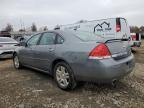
52,12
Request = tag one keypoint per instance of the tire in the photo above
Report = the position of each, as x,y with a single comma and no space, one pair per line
64,76
114,83
16,62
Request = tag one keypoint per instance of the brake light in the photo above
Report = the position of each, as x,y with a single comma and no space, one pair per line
1,45
99,52
118,25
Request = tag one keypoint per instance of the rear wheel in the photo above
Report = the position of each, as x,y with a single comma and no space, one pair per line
64,76
16,62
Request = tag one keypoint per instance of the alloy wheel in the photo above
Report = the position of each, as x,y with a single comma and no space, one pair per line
16,62
62,76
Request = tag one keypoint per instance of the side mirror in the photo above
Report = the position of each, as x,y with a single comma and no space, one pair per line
23,43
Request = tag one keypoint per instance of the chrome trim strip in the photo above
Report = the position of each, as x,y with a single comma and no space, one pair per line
99,58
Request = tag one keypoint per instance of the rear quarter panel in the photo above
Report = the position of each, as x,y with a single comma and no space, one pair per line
75,54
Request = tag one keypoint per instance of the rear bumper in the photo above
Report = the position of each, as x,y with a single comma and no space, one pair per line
106,70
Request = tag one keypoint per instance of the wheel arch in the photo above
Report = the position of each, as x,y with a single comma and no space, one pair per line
57,61
14,53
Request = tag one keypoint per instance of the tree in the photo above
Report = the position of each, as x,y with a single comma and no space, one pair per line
9,28
34,27
45,28
134,29
141,29
21,30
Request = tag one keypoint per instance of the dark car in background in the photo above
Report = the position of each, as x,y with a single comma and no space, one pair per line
5,34
75,56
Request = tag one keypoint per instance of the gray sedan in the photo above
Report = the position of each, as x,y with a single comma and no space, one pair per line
72,56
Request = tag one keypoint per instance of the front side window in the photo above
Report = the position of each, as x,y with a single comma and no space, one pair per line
33,41
48,39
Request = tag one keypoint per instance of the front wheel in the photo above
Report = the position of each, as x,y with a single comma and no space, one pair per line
16,62
64,76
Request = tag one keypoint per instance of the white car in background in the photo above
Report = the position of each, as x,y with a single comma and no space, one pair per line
7,47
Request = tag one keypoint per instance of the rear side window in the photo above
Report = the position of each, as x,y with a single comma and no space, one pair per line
125,30
48,39
59,40
86,36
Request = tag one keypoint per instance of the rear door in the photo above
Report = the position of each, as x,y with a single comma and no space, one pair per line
44,52
125,30
122,29
104,28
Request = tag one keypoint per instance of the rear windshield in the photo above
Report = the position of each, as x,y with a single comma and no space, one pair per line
2,39
87,36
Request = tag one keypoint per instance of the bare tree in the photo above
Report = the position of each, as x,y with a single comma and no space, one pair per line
21,30
134,29
9,27
33,27
141,29
45,28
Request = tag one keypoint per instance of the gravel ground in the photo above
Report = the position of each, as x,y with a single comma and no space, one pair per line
27,88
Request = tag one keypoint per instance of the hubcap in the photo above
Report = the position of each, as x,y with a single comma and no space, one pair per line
62,76
16,62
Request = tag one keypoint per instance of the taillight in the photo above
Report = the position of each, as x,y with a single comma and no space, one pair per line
118,25
1,45
99,52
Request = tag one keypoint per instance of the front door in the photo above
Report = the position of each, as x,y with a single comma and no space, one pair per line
27,52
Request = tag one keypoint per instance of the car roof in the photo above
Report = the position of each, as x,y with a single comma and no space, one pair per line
66,34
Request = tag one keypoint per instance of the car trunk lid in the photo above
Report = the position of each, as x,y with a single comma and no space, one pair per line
118,48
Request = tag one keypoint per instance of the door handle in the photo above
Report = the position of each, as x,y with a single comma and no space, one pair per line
51,49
